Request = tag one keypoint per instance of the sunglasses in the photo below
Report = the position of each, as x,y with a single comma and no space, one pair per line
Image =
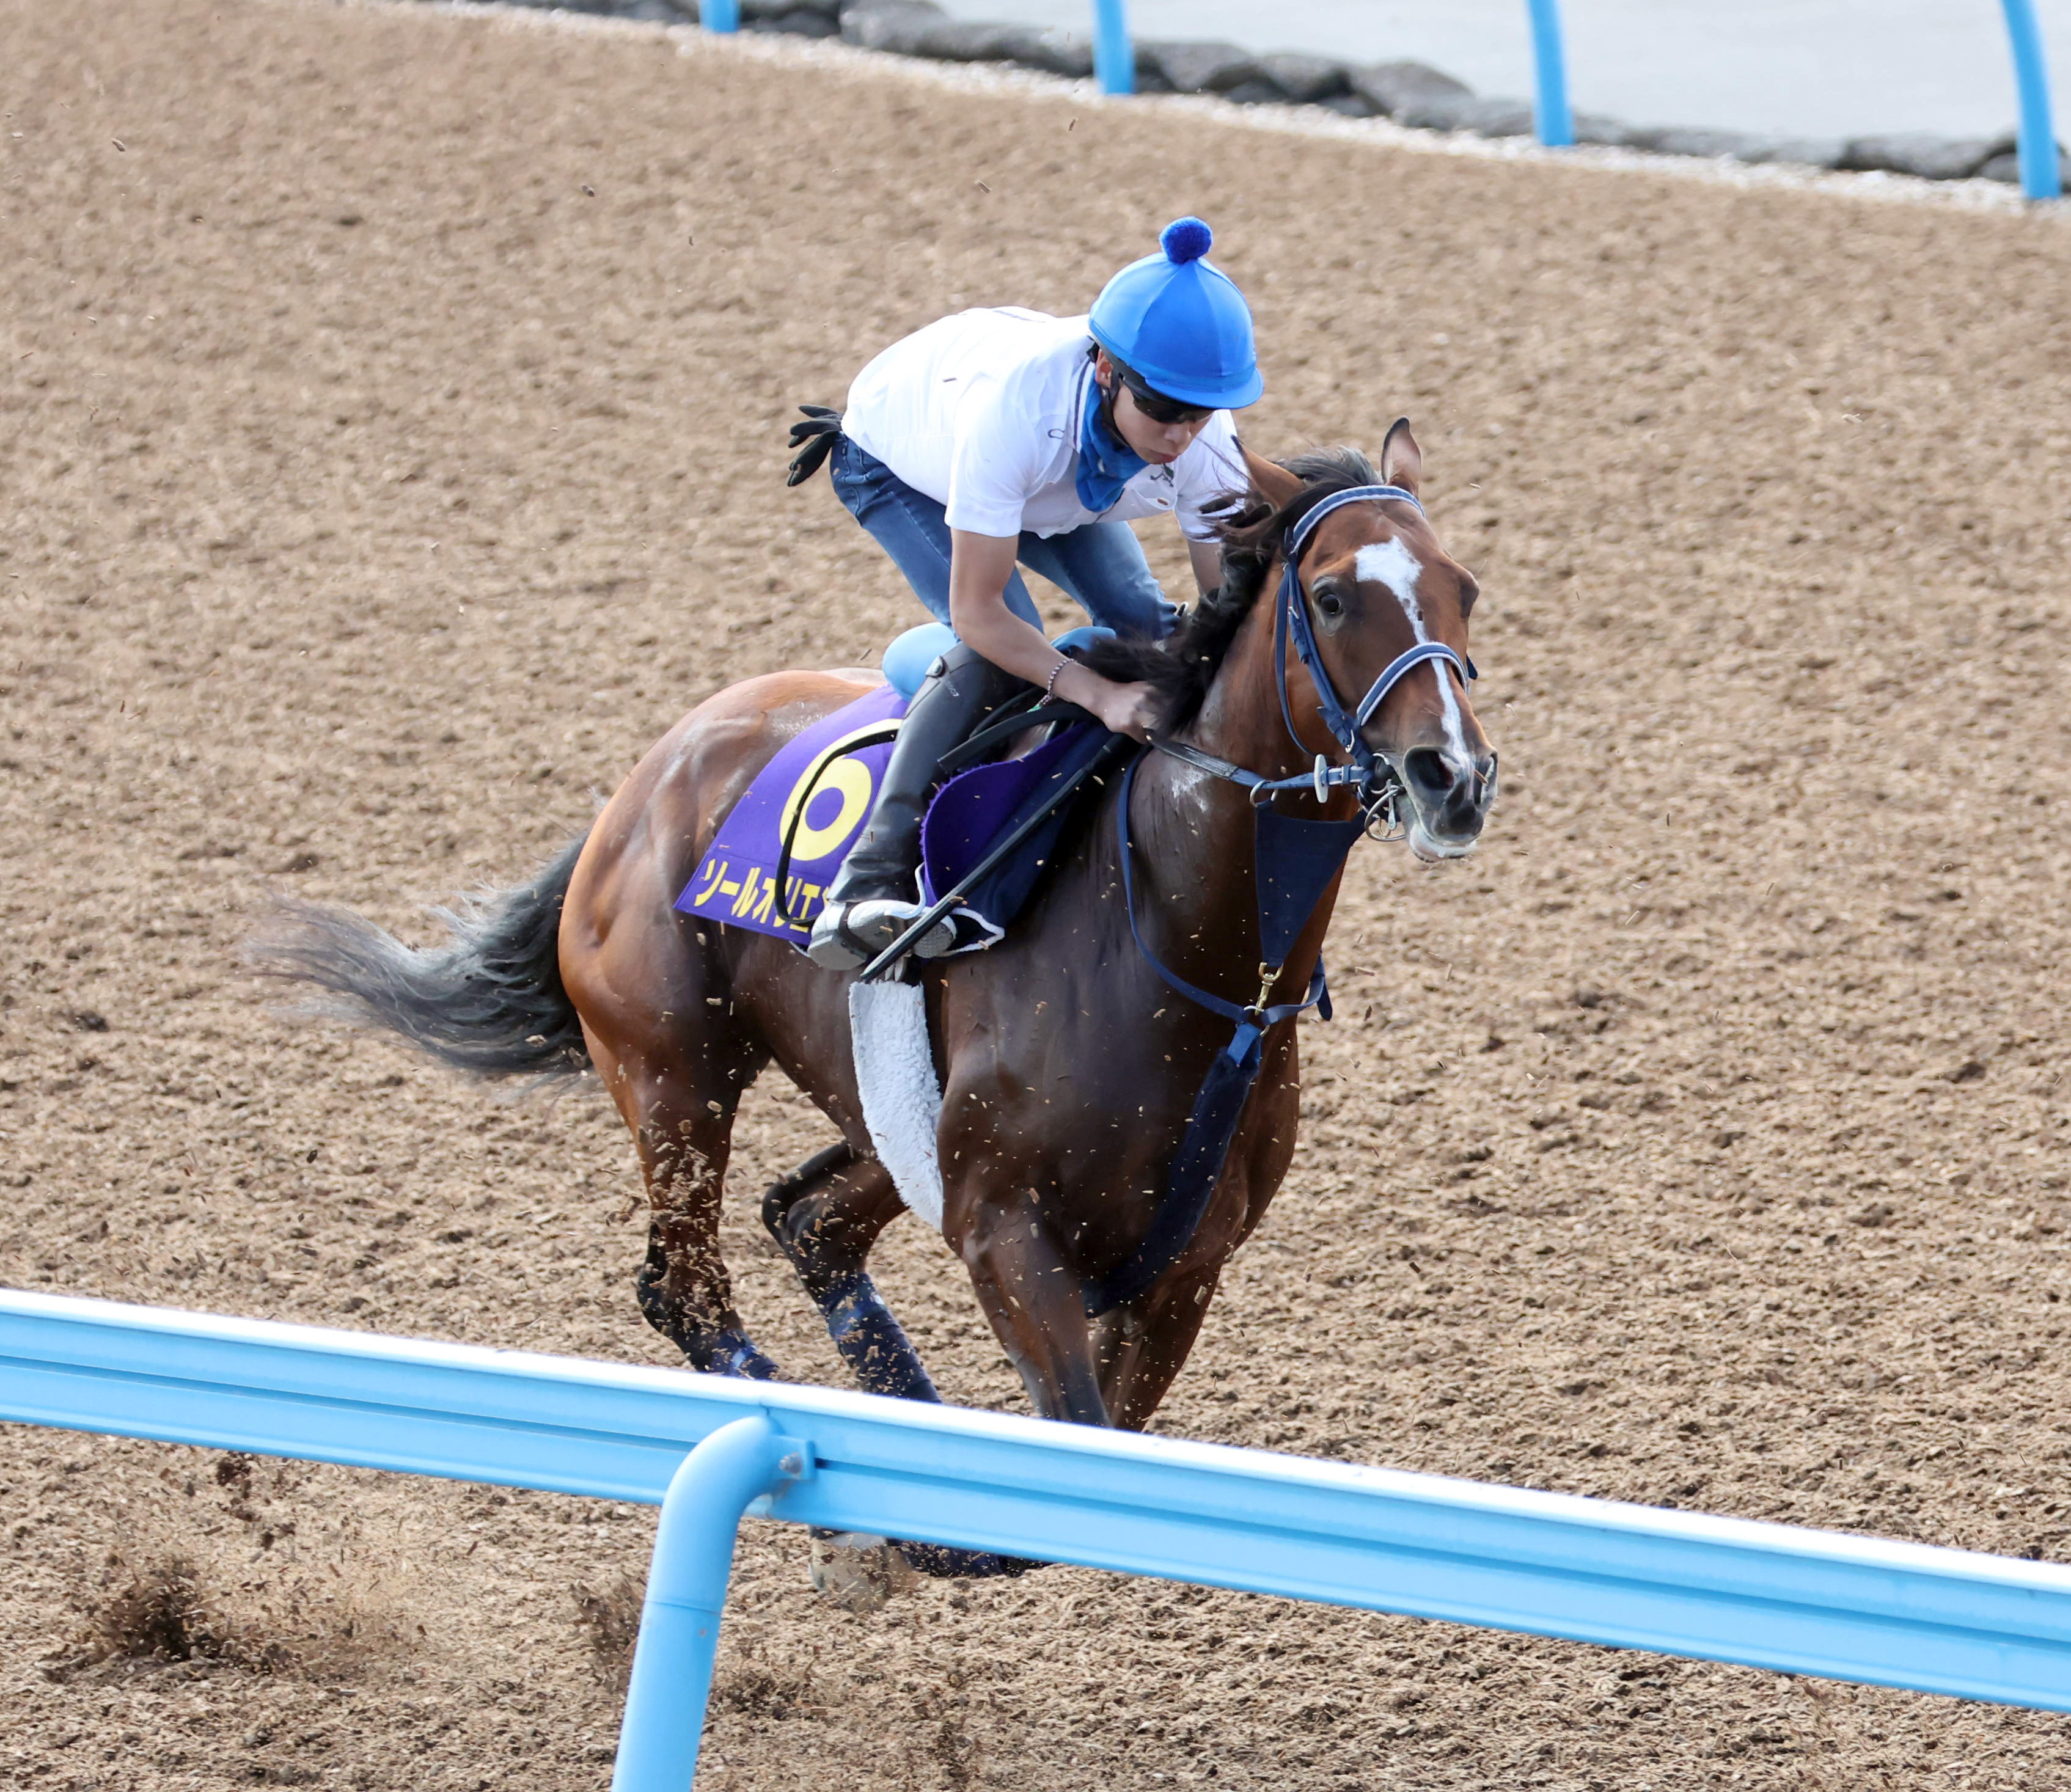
1157,406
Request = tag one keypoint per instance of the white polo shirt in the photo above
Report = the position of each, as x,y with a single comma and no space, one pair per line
982,412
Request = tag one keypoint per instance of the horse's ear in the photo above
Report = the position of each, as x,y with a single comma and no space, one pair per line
1272,482
1402,460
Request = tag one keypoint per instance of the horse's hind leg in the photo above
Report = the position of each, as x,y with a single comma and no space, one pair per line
826,1215
680,1104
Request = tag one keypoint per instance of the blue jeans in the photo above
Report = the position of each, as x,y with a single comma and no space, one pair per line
1100,566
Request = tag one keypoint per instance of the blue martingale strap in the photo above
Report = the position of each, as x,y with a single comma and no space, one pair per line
1296,859
1293,863
1304,862
1256,1018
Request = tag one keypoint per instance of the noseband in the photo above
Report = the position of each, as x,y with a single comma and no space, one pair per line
1371,777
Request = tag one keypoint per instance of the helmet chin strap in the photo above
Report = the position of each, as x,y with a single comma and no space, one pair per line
1111,395
1108,388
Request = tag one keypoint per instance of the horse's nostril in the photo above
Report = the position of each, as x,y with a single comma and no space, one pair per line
1429,773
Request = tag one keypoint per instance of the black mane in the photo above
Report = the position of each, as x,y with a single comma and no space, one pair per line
1182,668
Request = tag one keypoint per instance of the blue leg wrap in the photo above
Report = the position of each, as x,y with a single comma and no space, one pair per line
872,1343
729,1350
736,1353
877,1350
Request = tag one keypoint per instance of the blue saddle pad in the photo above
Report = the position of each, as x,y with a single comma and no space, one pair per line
830,793
979,806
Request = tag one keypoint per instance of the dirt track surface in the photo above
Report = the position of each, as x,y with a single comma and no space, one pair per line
391,412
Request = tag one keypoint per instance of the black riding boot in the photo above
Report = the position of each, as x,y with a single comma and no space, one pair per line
872,898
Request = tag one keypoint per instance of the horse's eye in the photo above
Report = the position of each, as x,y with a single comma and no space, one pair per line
1329,603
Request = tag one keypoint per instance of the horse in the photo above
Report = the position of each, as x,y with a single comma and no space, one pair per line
1067,1057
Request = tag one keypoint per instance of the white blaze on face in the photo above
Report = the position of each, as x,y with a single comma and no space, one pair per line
1390,563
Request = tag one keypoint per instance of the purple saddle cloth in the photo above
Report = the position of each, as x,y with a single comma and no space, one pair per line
822,795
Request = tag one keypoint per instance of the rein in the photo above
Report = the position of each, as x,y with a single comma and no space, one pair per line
1293,862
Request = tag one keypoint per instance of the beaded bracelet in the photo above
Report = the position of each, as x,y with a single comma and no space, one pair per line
1050,685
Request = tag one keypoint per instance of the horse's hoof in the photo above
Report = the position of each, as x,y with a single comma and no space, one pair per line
855,1571
939,1562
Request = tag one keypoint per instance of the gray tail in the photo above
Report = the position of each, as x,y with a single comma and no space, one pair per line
488,1001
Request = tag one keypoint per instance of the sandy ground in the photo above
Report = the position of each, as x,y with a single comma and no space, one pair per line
393,411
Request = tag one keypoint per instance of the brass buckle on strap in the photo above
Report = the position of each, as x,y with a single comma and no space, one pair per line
1267,976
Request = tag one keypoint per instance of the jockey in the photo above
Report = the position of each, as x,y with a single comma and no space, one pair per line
1000,436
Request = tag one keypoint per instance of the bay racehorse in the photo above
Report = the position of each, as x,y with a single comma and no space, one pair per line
1068,1063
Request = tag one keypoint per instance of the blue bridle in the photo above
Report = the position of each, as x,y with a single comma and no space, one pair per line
1370,777
1374,781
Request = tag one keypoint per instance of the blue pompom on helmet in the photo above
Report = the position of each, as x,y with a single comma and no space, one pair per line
1180,325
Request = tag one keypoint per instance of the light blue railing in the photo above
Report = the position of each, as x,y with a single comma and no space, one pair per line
707,1449
2040,177
1551,115
1115,60
1114,67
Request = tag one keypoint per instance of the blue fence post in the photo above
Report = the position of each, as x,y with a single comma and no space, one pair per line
2040,177
1114,58
1549,58
719,15
672,1661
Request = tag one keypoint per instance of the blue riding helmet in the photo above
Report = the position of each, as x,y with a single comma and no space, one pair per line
1181,324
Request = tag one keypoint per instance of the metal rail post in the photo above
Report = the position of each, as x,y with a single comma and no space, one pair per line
1114,59
2040,177
672,1661
1551,112
719,15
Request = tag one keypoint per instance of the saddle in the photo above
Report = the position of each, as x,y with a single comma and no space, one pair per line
986,843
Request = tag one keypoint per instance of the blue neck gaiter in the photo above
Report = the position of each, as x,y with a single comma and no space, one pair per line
1106,463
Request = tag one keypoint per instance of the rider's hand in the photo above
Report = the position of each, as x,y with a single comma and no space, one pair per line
1131,709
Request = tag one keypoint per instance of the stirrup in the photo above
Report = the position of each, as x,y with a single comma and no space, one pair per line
847,936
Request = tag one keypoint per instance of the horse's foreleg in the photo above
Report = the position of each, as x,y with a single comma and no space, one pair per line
826,1215
1031,1296
1145,1345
